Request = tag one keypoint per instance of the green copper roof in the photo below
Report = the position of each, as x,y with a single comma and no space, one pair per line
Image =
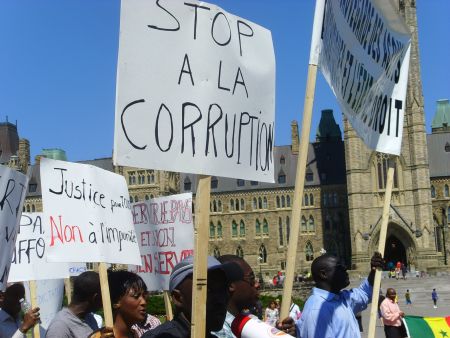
328,128
54,154
442,116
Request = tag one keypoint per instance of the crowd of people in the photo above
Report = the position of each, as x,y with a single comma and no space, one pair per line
233,289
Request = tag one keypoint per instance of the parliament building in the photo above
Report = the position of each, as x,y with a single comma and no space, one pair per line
343,196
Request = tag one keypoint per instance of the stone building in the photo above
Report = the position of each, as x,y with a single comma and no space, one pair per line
343,196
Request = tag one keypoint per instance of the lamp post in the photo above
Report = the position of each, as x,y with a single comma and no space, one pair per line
260,259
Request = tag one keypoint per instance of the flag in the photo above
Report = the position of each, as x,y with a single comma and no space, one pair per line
427,327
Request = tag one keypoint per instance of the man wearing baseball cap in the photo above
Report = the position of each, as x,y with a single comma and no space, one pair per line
180,287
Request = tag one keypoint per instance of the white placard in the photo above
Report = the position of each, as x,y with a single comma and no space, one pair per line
364,50
29,261
195,91
165,232
88,213
13,188
49,298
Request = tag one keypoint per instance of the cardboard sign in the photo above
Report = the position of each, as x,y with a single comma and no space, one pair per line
88,213
29,261
13,188
165,232
363,51
49,299
195,91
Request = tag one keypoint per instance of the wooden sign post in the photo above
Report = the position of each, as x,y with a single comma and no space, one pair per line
168,305
68,289
199,282
298,191
33,296
381,246
106,299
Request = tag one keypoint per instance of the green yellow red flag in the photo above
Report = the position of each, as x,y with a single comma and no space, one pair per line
427,327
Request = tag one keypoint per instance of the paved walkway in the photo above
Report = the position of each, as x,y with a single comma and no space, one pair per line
420,289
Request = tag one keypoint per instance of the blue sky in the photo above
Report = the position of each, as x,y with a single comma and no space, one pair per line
58,67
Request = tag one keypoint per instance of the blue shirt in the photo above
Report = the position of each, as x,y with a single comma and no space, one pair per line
330,315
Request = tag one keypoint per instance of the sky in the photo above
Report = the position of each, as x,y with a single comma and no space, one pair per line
58,62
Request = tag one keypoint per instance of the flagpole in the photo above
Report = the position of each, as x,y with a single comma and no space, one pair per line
302,158
381,247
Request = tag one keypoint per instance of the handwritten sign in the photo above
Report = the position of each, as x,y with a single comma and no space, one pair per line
195,91
29,261
49,299
76,269
13,187
363,51
165,233
88,213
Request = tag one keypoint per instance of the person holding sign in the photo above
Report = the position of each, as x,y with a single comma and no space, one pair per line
180,287
330,311
10,326
77,319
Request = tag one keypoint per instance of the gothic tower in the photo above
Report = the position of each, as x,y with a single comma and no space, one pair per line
410,235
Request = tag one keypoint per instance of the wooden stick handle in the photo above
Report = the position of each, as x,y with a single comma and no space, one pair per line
381,247
33,295
106,299
168,305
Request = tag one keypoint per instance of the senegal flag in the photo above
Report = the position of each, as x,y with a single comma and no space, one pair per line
427,327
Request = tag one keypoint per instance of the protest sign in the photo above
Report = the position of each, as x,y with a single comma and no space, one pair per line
13,187
76,269
165,233
87,210
195,91
49,297
29,258
363,52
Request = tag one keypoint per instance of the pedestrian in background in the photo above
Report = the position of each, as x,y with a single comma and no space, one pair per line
408,297
392,315
434,297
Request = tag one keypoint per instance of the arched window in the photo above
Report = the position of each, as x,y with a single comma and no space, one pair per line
288,229
255,204
240,252
303,224
283,202
433,192
265,227
212,230
311,199
311,225
215,206
131,199
33,208
382,169
236,204
263,254
280,231
219,204
136,199
232,205
152,196
28,208
216,252
242,229
146,197
306,200
288,201
187,184
234,229
265,202
448,215
259,203
257,227
219,230
242,204
309,252
446,191
278,202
